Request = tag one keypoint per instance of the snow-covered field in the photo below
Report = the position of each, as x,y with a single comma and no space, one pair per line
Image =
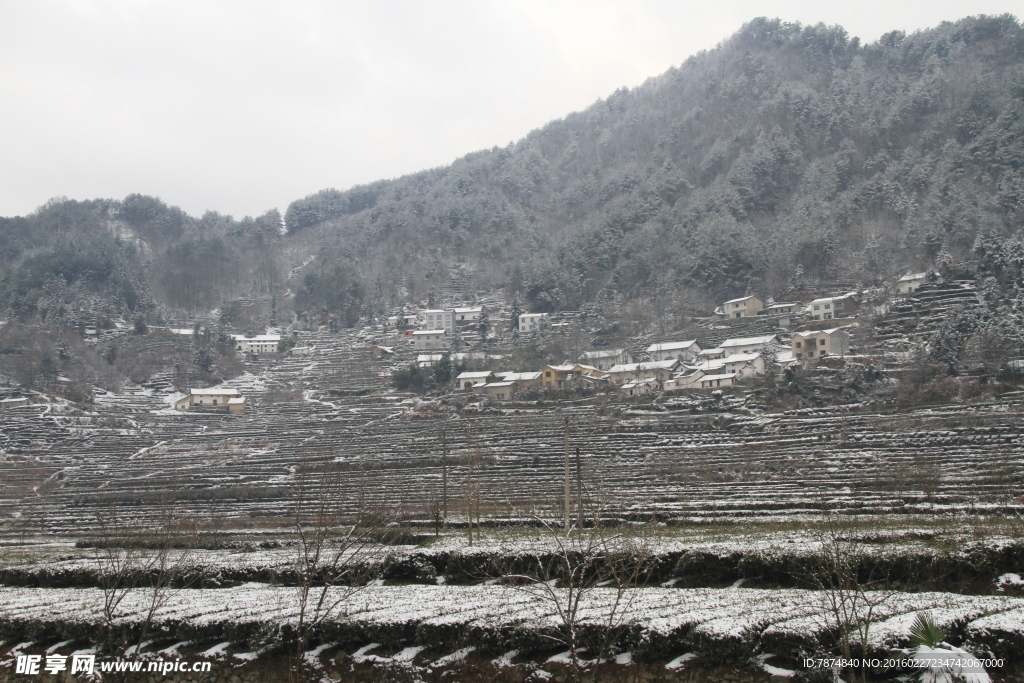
664,622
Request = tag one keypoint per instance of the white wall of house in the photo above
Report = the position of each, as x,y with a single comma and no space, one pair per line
424,340
438,319
682,351
811,346
531,322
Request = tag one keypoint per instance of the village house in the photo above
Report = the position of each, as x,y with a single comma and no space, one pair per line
426,360
782,308
748,344
207,398
641,387
522,380
660,370
500,391
382,351
705,355
300,350
744,307
744,365
531,322
827,308
682,350
605,359
423,340
557,375
910,282
717,381
261,343
466,380
438,319
684,380
236,405
580,381
467,316
814,344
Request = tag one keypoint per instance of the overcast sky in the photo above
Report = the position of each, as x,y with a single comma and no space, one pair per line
244,106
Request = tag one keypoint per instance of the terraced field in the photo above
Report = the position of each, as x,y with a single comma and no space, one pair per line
680,460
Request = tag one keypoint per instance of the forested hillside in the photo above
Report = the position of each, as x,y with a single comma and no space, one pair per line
787,152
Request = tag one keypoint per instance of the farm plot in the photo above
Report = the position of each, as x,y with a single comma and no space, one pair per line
732,624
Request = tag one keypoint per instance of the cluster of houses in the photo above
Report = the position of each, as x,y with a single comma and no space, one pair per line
673,366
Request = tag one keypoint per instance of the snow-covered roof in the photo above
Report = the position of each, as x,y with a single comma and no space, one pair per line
609,353
436,310
213,392
532,315
257,338
473,309
563,368
671,346
710,352
742,298
811,333
494,385
741,357
519,376
749,341
828,299
240,400
630,385
475,374
783,304
712,378
909,277
422,332
640,367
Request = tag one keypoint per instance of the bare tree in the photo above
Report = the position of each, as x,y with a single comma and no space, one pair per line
588,580
147,558
334,559
853,586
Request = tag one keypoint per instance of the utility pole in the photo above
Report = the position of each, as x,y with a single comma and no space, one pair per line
568,487
579,489
444,477
469,482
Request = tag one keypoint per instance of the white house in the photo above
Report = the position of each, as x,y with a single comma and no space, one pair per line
501,391
466,380
207,398
438,319
261,343
747,344
705,355
634,372
607,358
744,365
522,380
744,307
301,350
910,282
424,340
782,308
831,307
814,344
531,322
641,387
681,350
467,316
684,381
717,381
